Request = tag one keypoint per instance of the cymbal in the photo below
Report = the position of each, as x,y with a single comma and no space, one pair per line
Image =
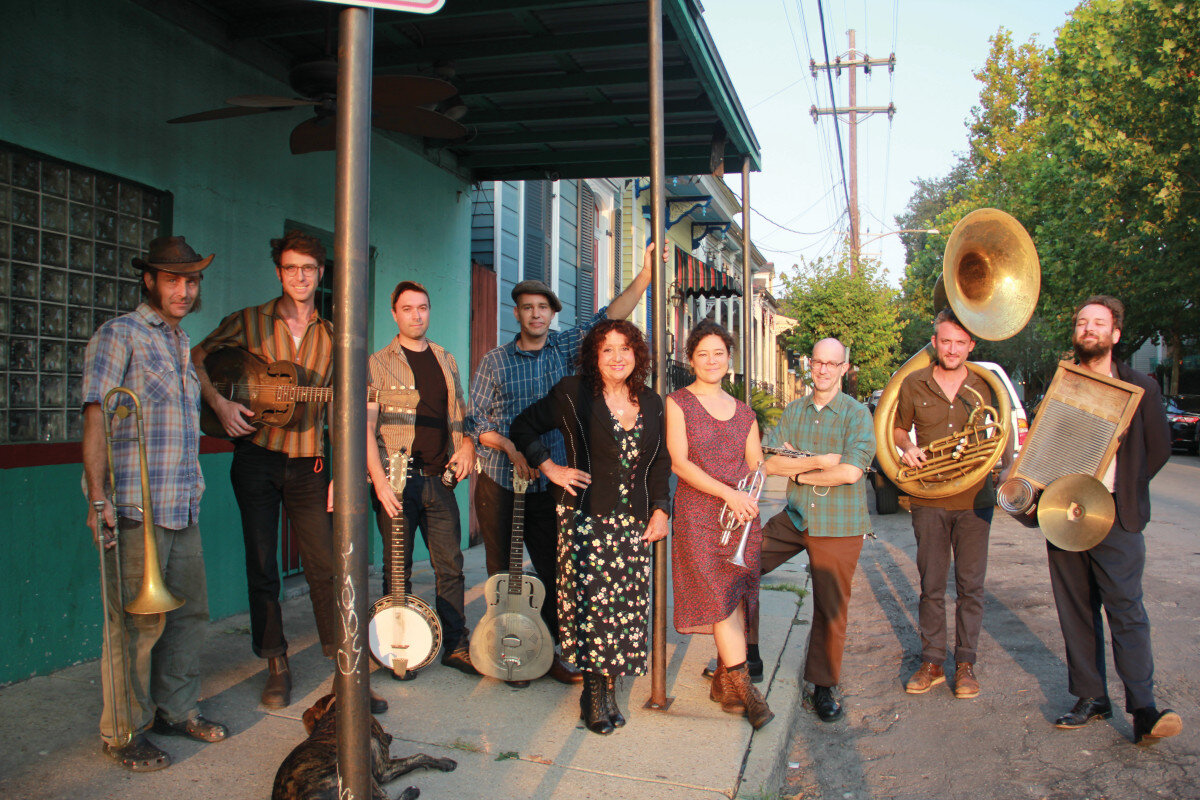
1076,512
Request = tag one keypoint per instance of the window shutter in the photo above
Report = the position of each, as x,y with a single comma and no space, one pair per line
537,231
585,297
617,234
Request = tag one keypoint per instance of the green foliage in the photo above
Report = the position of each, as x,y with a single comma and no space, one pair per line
764,404
859,309
1093,146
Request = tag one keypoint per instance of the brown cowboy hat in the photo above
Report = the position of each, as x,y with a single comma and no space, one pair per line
172,254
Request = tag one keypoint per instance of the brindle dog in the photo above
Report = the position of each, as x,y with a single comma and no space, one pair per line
310,771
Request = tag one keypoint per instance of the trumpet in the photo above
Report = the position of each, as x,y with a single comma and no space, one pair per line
752,485
154,597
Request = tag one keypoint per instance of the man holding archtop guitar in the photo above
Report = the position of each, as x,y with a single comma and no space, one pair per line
438,455
282,465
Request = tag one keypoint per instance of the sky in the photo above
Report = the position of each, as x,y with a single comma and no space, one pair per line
766,46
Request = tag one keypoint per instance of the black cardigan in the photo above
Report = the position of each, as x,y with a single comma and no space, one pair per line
586,426
1142,453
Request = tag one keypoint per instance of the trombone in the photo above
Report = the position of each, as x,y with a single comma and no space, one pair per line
154,597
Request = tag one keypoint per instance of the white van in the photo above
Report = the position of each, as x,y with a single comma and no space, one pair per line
1020,423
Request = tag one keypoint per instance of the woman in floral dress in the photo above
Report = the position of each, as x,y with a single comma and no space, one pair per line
713,440
613,501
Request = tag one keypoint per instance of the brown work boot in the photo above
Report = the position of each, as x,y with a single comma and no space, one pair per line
278,691
720,692
924,679
966,685
737,683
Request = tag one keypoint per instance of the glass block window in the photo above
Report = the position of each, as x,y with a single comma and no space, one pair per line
67,236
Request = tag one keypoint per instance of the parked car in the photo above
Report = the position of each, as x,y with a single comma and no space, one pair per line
887,494
1183,414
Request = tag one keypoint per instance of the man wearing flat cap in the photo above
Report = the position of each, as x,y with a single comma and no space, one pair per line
510,378
157,665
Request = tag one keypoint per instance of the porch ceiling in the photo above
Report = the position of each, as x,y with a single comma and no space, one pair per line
553,88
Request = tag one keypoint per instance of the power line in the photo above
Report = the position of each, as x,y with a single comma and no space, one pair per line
833,103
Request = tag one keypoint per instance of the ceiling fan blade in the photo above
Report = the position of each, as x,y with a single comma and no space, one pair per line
312,136
390,92
268,101
220,113
419,122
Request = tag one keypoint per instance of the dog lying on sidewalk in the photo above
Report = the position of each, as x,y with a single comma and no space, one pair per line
310,770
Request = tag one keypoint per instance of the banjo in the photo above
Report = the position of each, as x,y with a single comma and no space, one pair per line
512,642
404,633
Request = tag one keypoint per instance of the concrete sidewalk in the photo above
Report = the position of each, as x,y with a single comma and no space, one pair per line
526,743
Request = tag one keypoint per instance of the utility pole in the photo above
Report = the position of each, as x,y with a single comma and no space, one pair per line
854,60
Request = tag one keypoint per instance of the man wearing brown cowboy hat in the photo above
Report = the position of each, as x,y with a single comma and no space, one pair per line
283,466
159,659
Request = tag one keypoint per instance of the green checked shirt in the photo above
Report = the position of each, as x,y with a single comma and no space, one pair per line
843,426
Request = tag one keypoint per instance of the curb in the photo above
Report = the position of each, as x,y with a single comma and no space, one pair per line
765,764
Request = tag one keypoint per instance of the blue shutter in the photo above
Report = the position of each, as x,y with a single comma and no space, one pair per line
585,291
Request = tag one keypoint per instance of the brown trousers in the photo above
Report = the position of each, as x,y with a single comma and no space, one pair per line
831,562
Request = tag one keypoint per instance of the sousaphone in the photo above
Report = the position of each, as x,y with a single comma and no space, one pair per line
991,278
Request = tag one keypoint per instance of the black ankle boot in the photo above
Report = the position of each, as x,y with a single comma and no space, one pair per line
610,702
592,705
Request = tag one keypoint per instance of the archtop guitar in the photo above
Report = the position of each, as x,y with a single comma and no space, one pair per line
272,389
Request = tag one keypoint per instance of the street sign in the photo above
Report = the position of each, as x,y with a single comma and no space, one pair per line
411,6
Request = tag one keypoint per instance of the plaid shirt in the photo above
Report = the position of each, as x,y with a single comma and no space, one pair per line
389,369
509,380
145,355
263,332
843,426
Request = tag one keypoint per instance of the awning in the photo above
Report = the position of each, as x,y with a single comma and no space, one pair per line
552,88
694,278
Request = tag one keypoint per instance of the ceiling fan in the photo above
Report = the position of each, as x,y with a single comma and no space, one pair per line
402,103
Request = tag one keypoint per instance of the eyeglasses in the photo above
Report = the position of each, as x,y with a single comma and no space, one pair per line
290,269
816,365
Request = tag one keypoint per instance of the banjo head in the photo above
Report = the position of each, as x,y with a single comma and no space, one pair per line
409,631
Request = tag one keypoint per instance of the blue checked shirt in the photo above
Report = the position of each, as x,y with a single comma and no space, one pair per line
843,426
145,355
509,380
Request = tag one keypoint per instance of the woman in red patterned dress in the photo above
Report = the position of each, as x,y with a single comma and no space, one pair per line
713,440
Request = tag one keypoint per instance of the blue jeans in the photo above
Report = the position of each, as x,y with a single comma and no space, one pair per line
161,653
432,507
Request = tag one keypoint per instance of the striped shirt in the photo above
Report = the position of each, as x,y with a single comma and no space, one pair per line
508,380
144,354
389,369
842,426
263,332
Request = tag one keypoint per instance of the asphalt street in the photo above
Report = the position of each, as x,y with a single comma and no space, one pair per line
1003,744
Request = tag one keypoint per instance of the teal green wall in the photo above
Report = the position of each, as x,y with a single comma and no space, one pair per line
91,82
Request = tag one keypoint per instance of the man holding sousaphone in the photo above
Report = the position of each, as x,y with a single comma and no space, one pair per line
137,379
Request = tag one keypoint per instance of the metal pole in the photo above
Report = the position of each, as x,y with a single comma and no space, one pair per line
658,646
747,285
350,280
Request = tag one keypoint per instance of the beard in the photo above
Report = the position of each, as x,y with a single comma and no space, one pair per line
1089,351
941,362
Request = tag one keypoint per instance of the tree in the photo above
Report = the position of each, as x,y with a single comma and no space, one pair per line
858,309
1124,156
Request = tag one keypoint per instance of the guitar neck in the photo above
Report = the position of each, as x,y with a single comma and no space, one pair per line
516,552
